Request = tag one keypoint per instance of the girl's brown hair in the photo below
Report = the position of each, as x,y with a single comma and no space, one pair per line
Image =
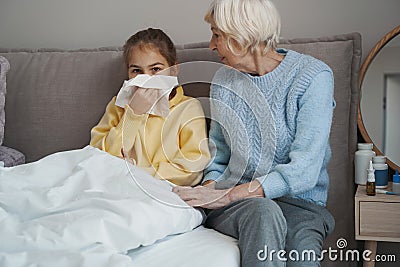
155,38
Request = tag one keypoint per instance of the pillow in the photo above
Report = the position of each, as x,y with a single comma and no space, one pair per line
4,67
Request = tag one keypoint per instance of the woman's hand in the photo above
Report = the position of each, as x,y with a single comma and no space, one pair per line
210,198
203,196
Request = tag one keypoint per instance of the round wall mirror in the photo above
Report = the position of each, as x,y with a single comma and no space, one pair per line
379,108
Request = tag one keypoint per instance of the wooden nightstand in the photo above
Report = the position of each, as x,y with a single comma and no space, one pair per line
377,219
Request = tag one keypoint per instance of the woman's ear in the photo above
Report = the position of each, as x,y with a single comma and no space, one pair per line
237,48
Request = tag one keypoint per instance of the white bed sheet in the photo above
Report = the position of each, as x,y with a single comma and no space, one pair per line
201,247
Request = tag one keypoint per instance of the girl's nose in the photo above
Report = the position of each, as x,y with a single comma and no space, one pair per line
149,72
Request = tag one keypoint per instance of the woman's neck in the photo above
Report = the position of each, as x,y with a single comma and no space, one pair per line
265,63
258,63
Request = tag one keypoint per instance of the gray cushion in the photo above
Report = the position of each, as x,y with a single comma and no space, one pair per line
55,97
11,157
4,67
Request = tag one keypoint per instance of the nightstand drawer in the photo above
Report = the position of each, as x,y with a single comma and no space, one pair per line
380,219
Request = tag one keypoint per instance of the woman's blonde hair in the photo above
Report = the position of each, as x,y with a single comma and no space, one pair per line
250,23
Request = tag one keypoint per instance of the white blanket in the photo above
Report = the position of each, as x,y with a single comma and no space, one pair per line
84,208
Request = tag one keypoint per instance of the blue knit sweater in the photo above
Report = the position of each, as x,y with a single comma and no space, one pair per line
274,128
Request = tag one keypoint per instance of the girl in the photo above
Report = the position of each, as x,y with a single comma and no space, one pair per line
172,147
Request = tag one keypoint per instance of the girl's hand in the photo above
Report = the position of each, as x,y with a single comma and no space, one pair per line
202,196
142,100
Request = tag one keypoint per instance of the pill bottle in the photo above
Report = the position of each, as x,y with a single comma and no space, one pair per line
381,171
361,160
396,183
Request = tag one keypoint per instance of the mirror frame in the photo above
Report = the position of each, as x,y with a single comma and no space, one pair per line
374,51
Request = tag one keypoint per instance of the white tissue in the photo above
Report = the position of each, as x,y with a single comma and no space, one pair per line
158,82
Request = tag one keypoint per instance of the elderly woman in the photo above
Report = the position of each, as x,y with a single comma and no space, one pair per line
272,109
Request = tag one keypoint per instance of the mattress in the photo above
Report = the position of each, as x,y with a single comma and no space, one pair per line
198,248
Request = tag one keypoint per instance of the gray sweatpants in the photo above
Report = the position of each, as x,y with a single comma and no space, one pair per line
284,231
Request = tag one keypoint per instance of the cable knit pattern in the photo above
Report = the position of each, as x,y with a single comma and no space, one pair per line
274,128
4,68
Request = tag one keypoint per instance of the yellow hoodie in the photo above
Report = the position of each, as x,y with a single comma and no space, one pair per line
173,148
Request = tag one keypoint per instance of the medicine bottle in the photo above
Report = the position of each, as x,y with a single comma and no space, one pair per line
370,181
396,183
362,157
381,171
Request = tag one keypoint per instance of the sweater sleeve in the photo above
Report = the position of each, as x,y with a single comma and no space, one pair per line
117,128
187,165
219,148
307,151
220,152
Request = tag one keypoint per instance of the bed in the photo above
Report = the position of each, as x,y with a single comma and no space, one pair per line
54,97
